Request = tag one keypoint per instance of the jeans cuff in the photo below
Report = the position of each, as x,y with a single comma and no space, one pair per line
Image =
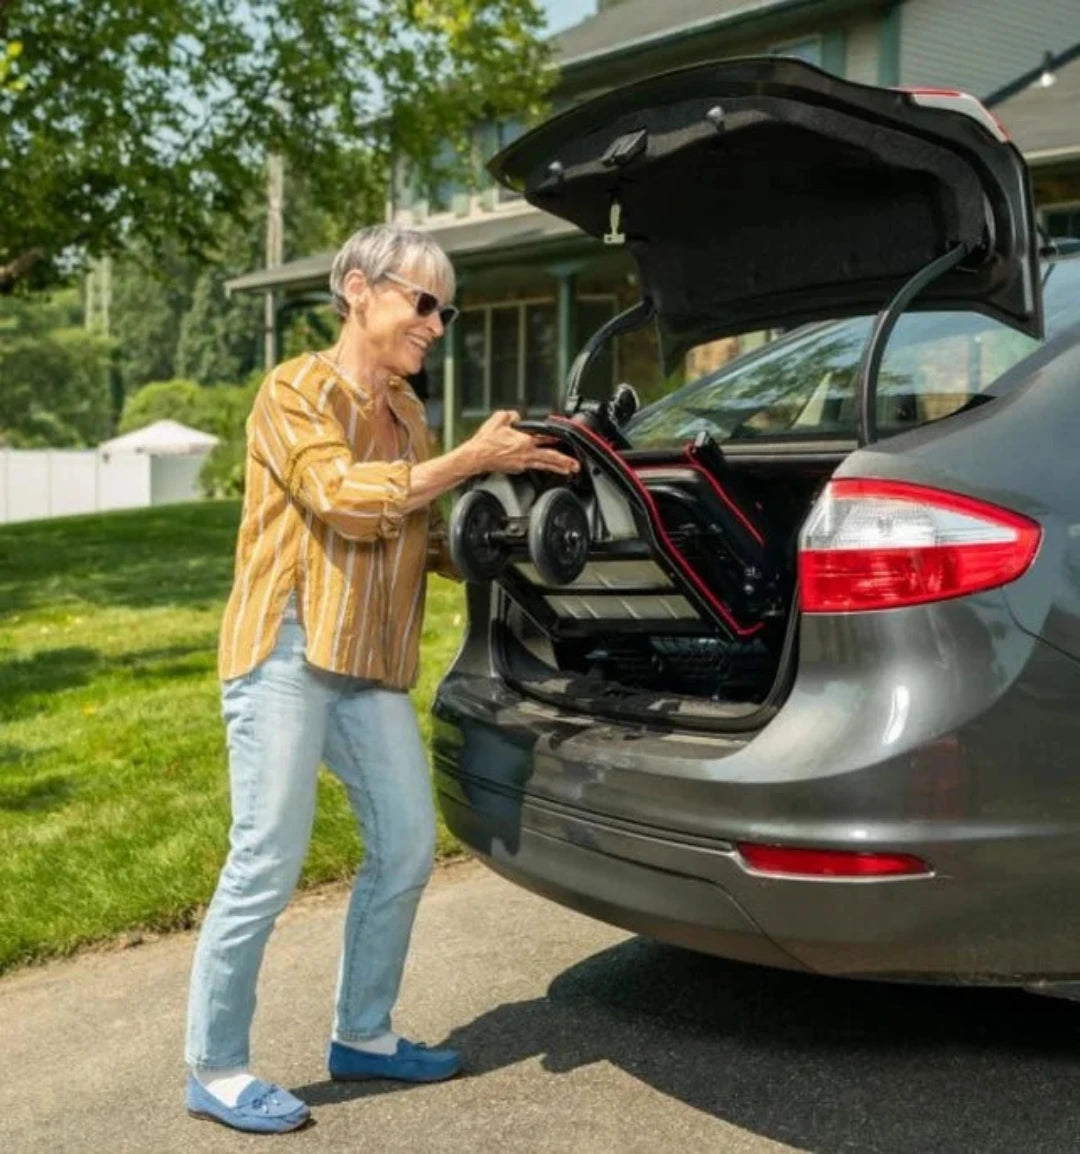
198,1068
355,1036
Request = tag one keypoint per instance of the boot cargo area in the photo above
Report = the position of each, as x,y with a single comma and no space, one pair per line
623,640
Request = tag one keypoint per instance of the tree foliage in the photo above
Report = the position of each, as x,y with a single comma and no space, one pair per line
151,119
221,409
218,409
151,292
55,374
170,316
221,338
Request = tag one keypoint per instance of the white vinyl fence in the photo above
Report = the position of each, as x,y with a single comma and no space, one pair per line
41,483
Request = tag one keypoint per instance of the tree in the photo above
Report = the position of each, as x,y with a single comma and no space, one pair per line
151,292
55,375
148,119
220,338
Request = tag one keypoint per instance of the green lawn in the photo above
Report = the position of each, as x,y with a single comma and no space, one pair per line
113,786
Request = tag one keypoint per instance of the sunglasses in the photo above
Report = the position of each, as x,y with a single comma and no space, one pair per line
424,302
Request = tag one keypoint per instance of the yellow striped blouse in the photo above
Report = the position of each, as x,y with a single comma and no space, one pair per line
322,518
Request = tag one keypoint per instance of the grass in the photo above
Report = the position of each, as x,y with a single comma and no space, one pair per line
113,783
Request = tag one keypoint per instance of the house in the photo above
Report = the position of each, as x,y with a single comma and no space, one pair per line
1041,110
531,285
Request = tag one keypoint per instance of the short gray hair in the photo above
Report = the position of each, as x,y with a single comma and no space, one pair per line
384,248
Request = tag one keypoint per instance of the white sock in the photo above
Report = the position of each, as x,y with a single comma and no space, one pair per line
380,1044
226,1085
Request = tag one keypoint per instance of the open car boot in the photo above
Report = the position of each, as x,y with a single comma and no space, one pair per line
750,194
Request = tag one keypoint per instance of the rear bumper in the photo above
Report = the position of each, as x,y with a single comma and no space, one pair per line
638,827
651,884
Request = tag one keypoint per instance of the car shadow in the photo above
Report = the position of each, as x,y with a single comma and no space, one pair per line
821,1064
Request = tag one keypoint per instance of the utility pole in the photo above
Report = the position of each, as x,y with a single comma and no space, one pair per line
275,248
99,296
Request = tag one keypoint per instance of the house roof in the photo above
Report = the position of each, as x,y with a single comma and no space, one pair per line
167,438
638,23
507,231
1044,122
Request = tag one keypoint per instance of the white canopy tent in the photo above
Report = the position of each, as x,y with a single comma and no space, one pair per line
162,438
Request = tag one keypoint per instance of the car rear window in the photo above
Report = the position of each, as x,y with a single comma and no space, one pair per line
802,386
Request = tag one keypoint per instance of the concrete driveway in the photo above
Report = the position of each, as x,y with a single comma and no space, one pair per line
578,1038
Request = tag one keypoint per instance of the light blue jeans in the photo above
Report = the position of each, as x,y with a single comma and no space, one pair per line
283,719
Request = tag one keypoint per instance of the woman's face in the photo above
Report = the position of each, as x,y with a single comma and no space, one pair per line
396,336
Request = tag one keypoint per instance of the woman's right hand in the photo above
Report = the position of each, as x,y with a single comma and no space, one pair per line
497,447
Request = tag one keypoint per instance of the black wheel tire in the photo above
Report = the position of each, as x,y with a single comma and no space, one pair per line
559,536
475,517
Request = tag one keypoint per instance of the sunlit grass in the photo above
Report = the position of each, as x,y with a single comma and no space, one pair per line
113,785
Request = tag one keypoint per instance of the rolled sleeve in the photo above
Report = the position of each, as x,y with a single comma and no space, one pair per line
306,450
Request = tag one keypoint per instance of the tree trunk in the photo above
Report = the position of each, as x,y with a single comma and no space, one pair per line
11,272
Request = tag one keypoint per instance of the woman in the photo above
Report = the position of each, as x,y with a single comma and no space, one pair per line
319,646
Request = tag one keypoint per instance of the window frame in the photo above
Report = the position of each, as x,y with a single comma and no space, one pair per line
1046,210
504,196
488,309
478,197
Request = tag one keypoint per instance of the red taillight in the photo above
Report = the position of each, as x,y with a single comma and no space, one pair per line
886,544
829,863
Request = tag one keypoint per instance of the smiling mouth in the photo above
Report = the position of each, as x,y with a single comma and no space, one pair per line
418,343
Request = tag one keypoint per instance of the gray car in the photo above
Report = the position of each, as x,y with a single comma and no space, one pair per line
791,673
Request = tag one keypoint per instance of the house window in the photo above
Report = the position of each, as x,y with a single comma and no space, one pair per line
448,184
541,354
473,325
808,49
1062,220
430,386
448,191
592,312
509,353
506,132
441,190
505,358
401,190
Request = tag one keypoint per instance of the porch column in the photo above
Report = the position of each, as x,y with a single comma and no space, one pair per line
271,341
450,387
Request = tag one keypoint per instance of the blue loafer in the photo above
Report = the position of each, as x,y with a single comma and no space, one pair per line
262,1108
411,1062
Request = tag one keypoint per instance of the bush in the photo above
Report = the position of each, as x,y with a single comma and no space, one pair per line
218,409
164,401
223,473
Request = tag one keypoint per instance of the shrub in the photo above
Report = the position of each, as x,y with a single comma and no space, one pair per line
218,409
164,401
222,474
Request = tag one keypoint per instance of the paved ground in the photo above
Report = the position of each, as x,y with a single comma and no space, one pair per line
579,1038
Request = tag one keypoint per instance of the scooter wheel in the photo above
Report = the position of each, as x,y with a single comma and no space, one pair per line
559,536
477,536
